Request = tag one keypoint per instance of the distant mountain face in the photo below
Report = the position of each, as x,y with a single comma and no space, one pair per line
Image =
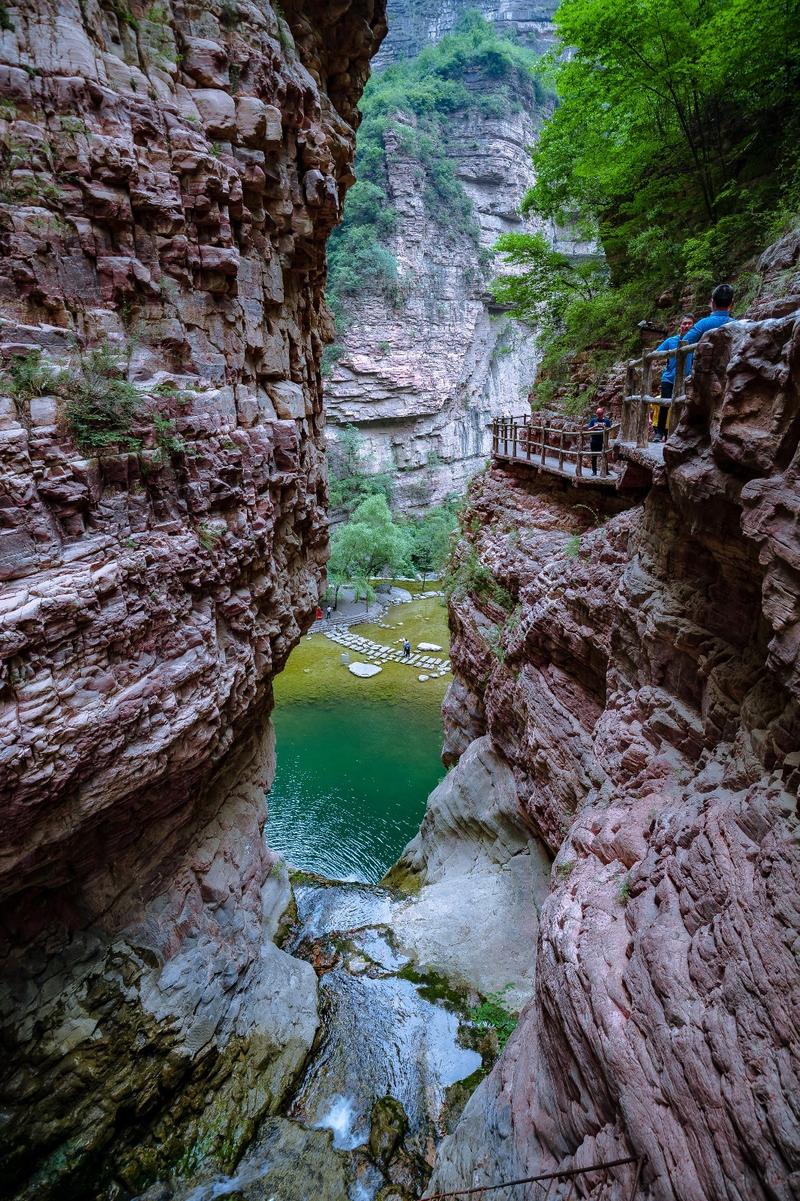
423,359
414,24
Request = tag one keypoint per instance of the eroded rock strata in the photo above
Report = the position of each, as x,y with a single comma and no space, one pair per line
644,695
170,174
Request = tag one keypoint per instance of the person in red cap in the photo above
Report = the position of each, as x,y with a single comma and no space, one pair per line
599,423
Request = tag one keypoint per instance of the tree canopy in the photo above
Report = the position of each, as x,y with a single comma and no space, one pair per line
674,143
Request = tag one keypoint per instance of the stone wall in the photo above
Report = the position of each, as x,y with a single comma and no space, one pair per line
644,694
170,174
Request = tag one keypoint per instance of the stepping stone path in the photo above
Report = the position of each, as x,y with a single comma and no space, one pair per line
377,653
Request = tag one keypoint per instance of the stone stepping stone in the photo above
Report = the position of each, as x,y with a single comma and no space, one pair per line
364,670
428,646
422,679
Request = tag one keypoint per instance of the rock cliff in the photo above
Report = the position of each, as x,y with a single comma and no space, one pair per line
414,24
170,174
637,673
423,372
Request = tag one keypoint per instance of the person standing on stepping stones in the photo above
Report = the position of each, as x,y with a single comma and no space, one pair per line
406,649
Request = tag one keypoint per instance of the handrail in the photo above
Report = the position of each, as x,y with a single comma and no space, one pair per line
638,398
567,1173
527,441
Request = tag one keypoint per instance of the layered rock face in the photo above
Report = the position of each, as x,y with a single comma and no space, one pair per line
644,695
170,175
422,375
414,25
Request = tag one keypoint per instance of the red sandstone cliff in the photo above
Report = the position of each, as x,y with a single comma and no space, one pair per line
169,175
645,694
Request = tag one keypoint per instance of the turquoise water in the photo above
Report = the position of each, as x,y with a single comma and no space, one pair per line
356,758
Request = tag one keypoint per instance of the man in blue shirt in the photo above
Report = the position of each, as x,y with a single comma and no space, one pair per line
721,301
668,375
597,425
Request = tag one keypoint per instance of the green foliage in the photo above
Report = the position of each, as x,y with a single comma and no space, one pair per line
431,536
572,546
350,483
101,404
492,1014
370,544
29,377
6,24
469,577
167,441
208,536
676,138
624,894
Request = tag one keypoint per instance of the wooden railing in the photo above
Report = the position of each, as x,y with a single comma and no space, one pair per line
638,392
553,448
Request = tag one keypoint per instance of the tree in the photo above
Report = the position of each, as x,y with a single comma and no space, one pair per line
370,544
548,280
430,541
350,483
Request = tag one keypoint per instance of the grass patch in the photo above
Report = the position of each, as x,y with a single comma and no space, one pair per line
492,1014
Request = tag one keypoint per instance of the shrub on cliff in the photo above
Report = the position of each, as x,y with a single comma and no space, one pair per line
101,404
409,106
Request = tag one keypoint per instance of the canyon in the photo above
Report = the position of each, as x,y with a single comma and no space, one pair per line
614,849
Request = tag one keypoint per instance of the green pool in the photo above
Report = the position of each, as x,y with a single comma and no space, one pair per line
356,758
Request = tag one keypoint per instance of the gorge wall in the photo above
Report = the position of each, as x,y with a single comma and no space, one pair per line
422,368
170,174
636,672
414,24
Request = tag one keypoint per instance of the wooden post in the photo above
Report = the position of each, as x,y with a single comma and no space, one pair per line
561,451
604,456
513,437
528,436
542,454
579,460
495,437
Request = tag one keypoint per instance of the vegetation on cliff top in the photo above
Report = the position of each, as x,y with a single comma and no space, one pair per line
676,139
407,108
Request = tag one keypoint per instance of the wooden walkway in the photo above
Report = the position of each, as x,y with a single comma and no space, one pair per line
567,454
558,450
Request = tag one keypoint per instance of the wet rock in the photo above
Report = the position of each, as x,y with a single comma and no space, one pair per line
388,1128
364,670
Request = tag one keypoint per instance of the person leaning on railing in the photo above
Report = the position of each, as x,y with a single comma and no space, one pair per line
668,375
721,302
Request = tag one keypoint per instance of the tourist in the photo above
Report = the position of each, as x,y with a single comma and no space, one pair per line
721,301
406,649
668,375
328,613
598,422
